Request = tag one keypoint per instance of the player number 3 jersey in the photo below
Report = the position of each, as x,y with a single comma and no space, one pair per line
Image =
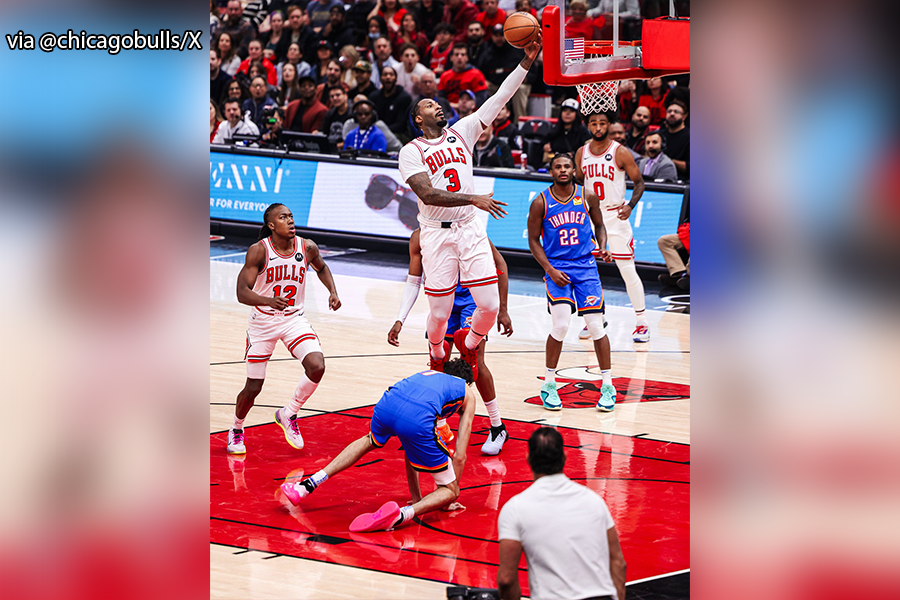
283,275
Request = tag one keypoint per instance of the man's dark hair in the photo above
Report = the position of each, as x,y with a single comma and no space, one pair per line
567,155
413,113
228,101
545,451
336,86
444,28
265,231
611,116
218,52
459,368
459,45
406,46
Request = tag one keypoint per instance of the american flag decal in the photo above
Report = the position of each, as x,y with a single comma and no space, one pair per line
574,49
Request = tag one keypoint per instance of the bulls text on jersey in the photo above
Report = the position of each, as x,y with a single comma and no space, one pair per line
280,272
444,156
593,170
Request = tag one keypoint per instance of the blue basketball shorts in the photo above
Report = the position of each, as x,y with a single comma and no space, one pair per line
414,422
584,293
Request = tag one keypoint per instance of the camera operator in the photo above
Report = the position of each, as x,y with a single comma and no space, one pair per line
273,120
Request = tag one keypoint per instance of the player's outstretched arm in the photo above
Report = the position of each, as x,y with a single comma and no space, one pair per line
625,161
491,107
421,185
253,263
411,291
466,416
596,216
504,323
535,225
315,261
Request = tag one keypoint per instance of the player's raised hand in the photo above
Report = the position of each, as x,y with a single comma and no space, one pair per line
558,277
504,323
334,302
488,204
624,212
278,303
533,49
394,334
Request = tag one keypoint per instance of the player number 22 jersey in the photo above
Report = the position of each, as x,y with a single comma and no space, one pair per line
567,229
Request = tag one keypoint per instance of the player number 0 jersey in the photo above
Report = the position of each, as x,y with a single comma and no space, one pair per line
603,177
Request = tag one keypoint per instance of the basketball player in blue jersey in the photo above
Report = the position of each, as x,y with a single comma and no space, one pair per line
410,409
457,328
562,241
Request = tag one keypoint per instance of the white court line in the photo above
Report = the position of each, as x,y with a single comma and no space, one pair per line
658,576
227,255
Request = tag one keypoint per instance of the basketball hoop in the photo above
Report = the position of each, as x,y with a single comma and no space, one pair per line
598,97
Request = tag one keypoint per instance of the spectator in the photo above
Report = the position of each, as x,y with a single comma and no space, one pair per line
298,32
489,17
256,12
271,38
526,6
656,165
215,119
290,86
506,130
258,70
258,100
233,124
409,34
678,138
324,54
230,61
617,134
429,14
438,55
366,136
363,72
333,76
491,151
358,16
214,21
475,41
381,58
377,29
465,107
640,122
391,12
671,245
569,134
428,89
235,90
319,12
393,144
273,120
626,98
239,27
255,54
338,32
578,25
462,76
654,99
339,113
348,57
460,13
306,113
218,79
565,529
411,70
497,62
295,57
392,103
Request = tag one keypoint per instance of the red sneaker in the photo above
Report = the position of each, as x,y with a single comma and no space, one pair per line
438,365
470,356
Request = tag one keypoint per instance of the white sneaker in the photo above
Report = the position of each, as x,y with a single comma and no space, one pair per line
641,333
585,334
236,442
291,429
495,440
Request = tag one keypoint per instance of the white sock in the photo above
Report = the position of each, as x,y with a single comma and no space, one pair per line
550,376
406,515
304,390
441,422
607,376
641,318
437,350
493,412
238,423
473,339
319,478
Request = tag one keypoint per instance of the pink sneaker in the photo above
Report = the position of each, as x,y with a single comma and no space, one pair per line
381,520
295,492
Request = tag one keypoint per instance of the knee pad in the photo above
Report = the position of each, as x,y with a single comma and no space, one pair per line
561,315
596,324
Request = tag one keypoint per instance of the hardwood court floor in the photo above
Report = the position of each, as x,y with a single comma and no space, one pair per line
262,548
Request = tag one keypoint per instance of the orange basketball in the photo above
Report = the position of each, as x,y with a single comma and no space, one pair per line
521,29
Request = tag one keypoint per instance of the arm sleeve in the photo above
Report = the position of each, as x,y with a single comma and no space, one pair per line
472,126
410,162
410,293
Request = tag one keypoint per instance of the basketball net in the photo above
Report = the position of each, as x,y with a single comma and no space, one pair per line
598,97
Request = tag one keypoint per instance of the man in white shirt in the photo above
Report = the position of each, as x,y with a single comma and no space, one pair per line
565,530
233,123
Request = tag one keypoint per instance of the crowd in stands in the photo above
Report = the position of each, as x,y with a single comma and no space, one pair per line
351,72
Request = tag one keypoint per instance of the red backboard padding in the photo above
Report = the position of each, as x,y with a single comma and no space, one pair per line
666,44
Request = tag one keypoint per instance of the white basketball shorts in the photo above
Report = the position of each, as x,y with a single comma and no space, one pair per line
459,253
265,330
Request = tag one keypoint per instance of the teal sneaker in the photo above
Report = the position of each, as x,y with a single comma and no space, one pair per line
550,397
607,398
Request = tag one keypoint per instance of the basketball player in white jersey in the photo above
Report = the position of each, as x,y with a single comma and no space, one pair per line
273,282
602,165
438,168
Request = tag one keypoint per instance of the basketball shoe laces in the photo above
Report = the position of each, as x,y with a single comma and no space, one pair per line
295,427
238,436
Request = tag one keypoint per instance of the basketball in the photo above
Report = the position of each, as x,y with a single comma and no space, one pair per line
521,29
